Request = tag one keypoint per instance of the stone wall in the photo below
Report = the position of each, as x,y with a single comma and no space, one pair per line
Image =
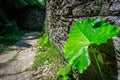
61,14
31,17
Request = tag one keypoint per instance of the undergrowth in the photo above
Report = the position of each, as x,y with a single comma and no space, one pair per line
47,57
3,48
9,34
8,40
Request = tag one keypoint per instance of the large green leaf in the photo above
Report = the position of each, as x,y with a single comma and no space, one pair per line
83,34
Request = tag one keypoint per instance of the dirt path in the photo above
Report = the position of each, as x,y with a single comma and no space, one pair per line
15,63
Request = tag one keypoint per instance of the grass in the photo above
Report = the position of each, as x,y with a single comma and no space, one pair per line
47,58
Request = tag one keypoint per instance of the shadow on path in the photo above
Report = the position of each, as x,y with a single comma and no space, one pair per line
25,50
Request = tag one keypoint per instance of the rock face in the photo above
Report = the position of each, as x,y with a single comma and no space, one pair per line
61,14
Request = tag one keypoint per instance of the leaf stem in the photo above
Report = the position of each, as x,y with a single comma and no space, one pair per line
94,53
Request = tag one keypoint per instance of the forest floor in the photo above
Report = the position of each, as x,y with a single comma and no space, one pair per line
31,58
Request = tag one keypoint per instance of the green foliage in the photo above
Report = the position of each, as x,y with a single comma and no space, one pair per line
48,56
23,3
32,2
47,52
63,73
10,33
3,48
82,35
10,38
43,41
42,3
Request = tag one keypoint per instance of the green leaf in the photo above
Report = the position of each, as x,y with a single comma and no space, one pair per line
63,73
82,35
